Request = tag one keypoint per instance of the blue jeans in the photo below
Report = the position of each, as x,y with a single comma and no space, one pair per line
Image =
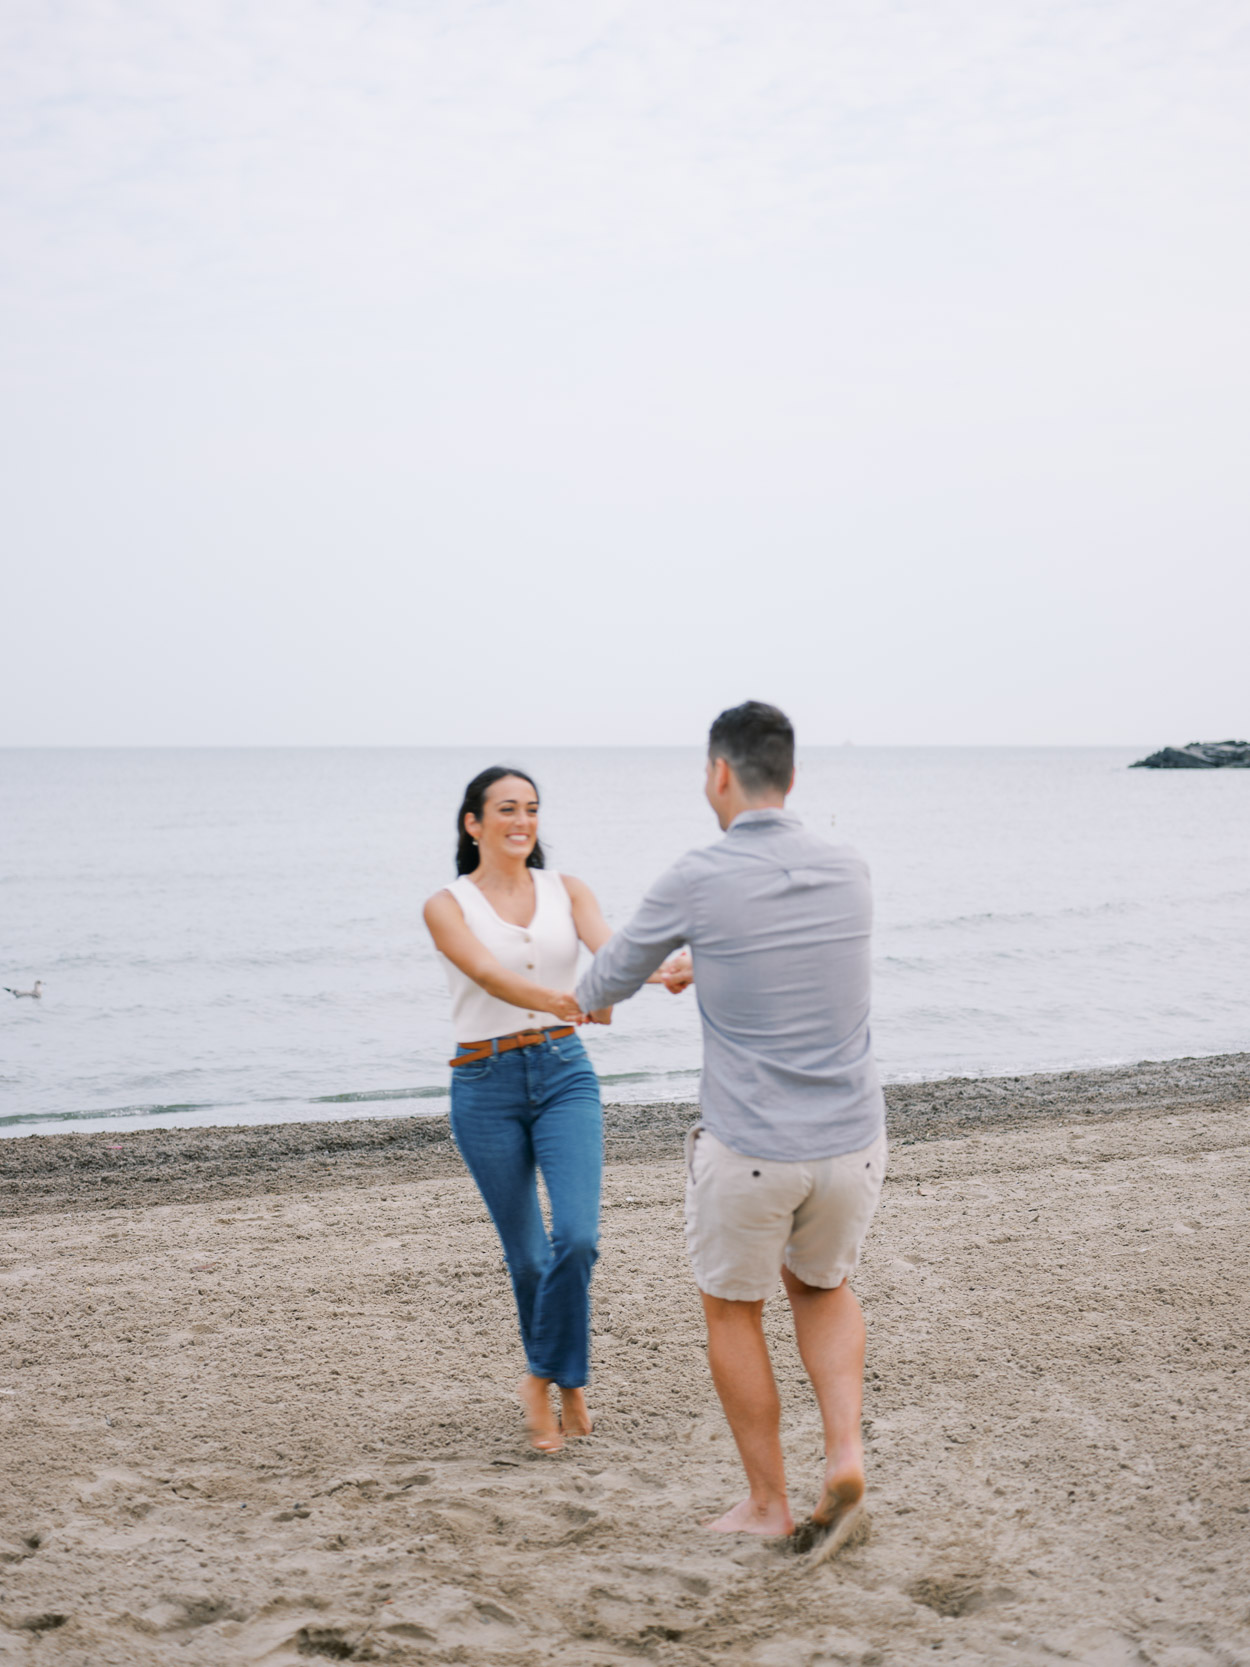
513,1114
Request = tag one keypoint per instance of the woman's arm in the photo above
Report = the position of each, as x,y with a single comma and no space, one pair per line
594,932
592,928
452,936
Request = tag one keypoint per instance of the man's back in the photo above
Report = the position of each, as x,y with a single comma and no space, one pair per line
785,1171
778,923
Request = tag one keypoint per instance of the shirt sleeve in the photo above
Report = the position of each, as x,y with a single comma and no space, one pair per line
630,956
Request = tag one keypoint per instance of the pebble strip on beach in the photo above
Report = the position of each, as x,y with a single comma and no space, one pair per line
149,1166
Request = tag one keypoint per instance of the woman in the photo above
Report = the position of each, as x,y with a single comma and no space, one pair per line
524,1095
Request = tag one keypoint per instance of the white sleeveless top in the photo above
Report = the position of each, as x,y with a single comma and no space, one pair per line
545,950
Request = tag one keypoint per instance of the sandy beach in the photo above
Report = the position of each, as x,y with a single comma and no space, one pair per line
256,1401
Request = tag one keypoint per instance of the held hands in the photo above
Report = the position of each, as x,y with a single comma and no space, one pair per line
565,1006
677,973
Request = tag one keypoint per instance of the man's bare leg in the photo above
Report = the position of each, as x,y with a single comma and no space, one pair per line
743,1374
829,1328
540,1421
575,1419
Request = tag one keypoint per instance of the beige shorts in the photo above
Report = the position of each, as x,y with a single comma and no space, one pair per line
745,1217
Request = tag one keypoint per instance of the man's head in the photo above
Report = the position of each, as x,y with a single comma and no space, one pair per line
750,759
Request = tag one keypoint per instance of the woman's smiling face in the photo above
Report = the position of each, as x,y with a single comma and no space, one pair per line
508,826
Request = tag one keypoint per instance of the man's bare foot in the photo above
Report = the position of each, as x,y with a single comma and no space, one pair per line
544,1432
840,1512
575,1419
772,1517
844,1486
818,1541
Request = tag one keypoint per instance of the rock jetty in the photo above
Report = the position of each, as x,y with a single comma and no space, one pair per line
1199,755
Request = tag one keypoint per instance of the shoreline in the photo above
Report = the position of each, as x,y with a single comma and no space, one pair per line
121,1169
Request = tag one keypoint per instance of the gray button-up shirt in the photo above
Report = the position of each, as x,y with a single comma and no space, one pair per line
778,924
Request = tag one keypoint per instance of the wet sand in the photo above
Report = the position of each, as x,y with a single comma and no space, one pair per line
255,1401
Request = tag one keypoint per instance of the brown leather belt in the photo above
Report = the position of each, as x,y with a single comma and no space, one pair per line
478,1051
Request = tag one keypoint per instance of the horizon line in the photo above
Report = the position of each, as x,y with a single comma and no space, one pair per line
552,746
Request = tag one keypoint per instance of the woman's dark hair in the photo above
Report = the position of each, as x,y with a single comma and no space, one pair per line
473,803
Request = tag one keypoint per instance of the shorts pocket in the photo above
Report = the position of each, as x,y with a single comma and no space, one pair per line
690,1149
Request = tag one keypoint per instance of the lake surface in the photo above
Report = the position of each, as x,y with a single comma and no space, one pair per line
236,936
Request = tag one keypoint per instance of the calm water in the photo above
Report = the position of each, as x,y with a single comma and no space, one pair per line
230,937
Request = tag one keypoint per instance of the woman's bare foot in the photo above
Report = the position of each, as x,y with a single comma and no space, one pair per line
544,1432
575,1419
769,1517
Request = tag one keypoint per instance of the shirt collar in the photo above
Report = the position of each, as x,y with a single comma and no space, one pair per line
768,813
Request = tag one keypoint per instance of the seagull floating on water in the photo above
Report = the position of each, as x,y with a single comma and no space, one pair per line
37,992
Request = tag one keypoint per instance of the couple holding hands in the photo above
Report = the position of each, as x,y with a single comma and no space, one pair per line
785,1169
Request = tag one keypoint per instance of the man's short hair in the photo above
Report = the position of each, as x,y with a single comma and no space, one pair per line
757,742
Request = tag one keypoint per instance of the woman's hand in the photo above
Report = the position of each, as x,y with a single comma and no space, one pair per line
677,973
564,1005
600,1016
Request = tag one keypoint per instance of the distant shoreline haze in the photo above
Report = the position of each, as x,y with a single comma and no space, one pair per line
507,747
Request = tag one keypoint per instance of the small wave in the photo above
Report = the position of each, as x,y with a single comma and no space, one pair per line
1150,905
100,1111
378,1094
362,1095
21,1119
648,1076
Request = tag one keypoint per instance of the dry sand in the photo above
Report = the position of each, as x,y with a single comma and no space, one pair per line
255,1402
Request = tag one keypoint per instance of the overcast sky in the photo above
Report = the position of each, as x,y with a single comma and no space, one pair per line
565,370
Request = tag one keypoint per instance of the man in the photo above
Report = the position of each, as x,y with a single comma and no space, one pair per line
784,1172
